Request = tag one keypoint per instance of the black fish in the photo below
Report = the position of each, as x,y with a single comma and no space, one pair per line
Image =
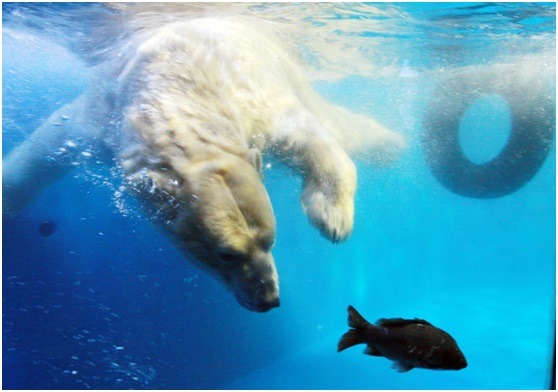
47,228
409,343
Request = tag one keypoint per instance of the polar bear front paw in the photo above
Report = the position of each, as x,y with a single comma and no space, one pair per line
334,218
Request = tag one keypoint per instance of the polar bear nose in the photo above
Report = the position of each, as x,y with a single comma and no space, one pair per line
266,293
268,304
262,305
260,295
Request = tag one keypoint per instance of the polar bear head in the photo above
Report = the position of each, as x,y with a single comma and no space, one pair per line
218,211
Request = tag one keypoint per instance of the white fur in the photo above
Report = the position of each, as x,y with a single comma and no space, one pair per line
187,110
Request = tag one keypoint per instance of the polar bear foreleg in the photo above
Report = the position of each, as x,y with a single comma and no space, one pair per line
329,174
44,157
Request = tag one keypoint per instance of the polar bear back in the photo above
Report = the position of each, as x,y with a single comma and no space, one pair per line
242,73
236,76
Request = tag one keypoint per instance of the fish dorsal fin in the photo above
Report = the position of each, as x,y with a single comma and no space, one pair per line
355,319
399,322
401,367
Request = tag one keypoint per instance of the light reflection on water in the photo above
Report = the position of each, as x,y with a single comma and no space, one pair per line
345,38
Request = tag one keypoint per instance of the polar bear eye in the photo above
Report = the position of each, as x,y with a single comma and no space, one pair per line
267,244
228,257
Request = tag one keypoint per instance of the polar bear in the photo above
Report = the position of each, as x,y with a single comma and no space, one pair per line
186,110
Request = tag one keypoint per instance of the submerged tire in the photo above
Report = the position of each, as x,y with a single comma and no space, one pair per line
531,101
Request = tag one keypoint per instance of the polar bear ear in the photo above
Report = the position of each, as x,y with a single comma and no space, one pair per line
255,157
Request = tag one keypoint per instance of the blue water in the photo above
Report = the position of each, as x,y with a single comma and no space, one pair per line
107,302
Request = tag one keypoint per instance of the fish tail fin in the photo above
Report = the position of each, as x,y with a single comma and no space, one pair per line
356,334
355,319
350,339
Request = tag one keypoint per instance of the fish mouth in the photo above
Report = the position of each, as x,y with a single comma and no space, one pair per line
462,364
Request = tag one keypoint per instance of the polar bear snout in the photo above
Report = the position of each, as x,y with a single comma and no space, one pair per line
226,222
267,305
255,284
259,295
264,296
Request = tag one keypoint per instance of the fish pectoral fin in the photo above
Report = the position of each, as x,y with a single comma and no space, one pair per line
401,367
371,350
